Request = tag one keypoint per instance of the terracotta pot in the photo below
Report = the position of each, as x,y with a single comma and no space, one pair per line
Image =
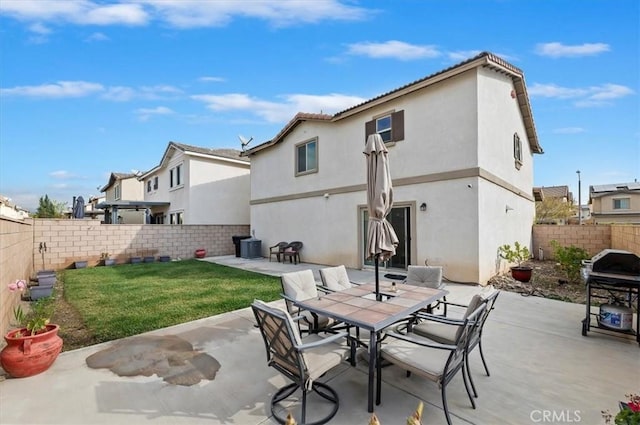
521,273
29,355
201,253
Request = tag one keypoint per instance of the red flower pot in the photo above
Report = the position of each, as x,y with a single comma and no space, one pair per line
201,253
521,273
29,355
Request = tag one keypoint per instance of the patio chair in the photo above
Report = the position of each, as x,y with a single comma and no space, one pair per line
292,251
335,278
277,250
302,360
300,286
445,333
428,277
429,359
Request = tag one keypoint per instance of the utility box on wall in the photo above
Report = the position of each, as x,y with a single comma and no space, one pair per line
251,248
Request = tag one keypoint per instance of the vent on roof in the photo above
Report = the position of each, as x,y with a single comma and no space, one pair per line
622,187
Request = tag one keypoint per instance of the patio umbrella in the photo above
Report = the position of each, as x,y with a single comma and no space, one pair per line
381,238
78,208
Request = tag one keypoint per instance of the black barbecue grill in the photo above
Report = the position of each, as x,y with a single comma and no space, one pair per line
613,275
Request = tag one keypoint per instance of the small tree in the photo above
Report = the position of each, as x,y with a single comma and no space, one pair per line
554,209
49,209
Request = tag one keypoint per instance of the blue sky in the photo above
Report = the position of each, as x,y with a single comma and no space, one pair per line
93,87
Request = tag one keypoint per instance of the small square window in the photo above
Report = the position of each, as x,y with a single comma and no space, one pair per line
622,204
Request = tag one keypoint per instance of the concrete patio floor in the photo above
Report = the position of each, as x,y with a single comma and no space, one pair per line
542,371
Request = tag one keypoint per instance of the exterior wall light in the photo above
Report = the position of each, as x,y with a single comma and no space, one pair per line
423,206
507,208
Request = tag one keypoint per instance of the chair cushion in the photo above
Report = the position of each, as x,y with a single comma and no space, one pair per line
335,278
321,359
429,276
426,362
277,311
439,332
299,285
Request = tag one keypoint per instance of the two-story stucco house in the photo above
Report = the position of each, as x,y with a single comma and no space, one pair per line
615,203
461,145
122,190
196,185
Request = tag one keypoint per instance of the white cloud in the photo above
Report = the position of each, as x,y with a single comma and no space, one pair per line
39,28
393,49
97,36
211,80
275,112
61,89
81,12
196,13
125,94
145,113
182,13
557,50
569,130
553,90
585,97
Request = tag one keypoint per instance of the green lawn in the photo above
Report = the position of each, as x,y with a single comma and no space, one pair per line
124,300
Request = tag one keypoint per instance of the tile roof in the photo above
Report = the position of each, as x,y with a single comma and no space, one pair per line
485,59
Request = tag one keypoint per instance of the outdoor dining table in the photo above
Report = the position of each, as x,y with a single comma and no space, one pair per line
357,306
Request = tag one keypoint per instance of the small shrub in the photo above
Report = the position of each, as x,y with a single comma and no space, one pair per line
570,259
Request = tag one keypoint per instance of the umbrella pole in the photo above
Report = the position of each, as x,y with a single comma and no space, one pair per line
378,297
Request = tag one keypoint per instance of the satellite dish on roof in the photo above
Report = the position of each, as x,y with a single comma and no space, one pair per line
244,141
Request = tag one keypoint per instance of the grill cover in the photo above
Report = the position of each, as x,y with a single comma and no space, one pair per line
616,261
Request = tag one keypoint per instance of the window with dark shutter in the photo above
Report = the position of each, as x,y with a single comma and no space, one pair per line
390,127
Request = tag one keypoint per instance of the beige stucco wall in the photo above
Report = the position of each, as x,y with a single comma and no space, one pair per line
16,262
218,192
441,161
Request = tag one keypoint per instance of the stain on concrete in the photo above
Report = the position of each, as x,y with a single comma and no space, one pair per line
170,357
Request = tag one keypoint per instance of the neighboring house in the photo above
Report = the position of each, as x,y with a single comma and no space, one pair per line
558,201
10,210
122,193
461,145
195,185
615,203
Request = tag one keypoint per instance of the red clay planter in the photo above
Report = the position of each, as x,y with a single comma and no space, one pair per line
201,253
29,355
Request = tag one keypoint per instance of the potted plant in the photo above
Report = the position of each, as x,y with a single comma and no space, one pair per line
135,259
35,345
518,254
106,260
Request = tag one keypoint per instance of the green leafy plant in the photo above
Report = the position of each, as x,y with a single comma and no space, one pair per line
629,413
570,259
104,255
518,254
36,320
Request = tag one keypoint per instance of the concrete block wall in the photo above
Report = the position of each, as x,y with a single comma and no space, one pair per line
68,241
16,262
593,238
626,237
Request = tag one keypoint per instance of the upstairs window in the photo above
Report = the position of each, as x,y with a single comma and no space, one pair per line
622,204
307,157
517,150
389,126
116,192
155,183
175,176
148,186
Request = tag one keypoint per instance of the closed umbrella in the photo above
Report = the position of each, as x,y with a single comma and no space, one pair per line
78,208
381,238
